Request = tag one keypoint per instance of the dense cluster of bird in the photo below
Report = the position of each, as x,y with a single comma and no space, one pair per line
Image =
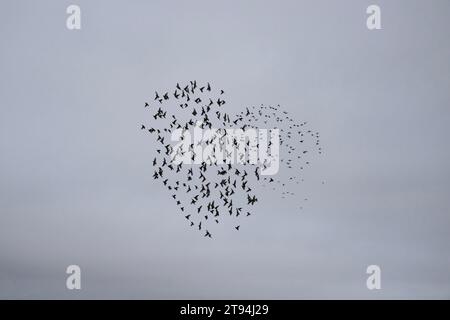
207,191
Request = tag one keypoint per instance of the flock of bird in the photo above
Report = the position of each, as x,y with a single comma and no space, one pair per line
208,191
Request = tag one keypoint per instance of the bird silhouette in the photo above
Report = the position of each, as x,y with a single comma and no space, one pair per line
219,190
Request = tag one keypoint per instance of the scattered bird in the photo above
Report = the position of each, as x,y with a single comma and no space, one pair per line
222,190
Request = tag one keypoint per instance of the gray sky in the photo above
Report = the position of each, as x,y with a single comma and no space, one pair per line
75,172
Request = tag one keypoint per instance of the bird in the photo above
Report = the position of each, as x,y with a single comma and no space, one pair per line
209,181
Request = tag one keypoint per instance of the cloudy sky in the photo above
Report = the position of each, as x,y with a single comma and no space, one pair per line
75,170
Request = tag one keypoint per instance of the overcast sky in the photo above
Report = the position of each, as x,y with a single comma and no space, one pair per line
75,170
